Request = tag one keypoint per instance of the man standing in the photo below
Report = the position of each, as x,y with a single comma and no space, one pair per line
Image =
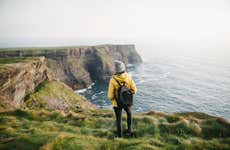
121,78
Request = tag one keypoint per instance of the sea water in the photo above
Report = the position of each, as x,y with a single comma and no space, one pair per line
175,84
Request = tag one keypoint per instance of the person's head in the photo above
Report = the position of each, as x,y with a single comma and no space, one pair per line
119,66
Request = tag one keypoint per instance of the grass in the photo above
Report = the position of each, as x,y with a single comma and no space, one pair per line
95,129
12,60
40,48
49,47
55,95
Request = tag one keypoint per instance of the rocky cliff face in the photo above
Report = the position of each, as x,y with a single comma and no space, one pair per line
21,72
29,83
19,79
78,67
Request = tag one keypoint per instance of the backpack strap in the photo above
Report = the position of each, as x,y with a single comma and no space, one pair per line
117,81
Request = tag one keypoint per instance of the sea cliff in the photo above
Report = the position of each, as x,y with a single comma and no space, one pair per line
29,83
25,71
40,110
78,67
19,79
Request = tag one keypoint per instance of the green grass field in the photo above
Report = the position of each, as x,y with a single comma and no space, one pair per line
95,129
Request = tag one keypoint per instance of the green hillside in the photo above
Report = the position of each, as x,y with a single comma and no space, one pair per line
95,129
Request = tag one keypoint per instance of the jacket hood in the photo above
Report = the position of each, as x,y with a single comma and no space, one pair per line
122,77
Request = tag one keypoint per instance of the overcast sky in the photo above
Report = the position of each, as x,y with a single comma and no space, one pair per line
143,22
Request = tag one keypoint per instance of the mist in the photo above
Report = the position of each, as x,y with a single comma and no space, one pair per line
180,26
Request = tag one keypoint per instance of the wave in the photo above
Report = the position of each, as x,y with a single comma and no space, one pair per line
175,85
85,89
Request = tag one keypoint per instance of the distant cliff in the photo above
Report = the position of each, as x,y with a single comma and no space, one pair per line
78,67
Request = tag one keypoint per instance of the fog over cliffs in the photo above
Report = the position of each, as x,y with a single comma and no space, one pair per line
197,25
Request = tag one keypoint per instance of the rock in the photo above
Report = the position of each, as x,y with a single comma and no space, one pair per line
19,79
22,70
78,67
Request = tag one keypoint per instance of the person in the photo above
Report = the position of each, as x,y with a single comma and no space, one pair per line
121,76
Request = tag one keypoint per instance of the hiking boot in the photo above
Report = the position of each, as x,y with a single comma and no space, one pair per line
130,131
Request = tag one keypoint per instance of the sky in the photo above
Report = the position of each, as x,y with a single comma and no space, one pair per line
150,24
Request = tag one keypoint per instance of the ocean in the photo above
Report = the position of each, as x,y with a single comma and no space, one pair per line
175,84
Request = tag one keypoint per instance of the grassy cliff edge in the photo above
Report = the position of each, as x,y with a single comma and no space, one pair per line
39,126
95,129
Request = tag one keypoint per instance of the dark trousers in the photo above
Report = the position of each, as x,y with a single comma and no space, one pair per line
118,113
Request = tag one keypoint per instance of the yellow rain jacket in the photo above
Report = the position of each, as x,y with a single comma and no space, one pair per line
113,86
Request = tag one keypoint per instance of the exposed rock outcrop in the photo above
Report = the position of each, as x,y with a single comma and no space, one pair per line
78,67
19,79
28,82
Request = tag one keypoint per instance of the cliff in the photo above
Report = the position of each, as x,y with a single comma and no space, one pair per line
20,77
29,83
25,74
78,67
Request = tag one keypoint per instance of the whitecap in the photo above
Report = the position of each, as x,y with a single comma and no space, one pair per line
81,90
94,96
101,92
84,89
90,87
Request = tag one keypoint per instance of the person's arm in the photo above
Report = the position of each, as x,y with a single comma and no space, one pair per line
111,90
133,86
